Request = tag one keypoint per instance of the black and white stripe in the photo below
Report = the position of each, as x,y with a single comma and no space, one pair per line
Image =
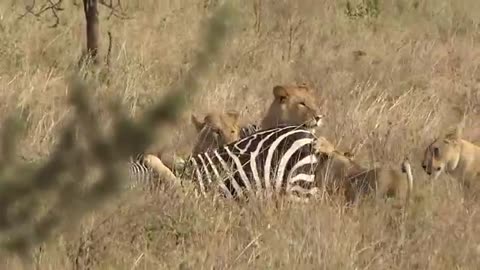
277,160
140,174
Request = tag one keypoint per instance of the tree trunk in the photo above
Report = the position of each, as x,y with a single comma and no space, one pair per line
91,18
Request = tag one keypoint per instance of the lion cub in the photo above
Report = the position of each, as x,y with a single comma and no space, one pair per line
215,130
357,180
292,105
454,156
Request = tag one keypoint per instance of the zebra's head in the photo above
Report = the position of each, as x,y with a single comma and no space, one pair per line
293,105
215,130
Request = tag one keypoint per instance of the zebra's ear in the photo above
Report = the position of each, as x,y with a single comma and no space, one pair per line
234,115
280,93
197,123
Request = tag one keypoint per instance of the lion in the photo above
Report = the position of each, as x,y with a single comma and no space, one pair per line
357,180
455,156
164,172
292,105
215,130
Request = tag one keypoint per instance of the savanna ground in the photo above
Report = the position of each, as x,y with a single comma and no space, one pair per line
418,72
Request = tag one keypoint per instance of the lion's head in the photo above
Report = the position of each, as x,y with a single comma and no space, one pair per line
442,154
215,130
293,105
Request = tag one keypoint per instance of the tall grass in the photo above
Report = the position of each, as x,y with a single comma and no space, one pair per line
389,81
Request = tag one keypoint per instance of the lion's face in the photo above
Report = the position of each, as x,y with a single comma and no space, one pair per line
293,105
215,130
338,161
324,146
443,154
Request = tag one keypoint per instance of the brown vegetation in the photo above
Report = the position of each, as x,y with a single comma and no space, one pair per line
389,77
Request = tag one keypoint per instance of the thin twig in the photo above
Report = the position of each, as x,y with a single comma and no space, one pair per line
109,51
116,10
52,6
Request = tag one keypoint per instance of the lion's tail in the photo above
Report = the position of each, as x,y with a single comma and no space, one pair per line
407,169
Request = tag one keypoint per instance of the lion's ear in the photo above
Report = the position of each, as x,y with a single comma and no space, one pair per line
280,93
197,123
454,135
458,133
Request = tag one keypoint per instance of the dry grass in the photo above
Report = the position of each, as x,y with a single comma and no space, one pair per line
419,71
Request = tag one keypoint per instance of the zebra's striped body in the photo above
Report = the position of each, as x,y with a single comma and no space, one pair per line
140,174
280,160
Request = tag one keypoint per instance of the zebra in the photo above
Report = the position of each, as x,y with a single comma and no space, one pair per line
245,131
141,173
280,160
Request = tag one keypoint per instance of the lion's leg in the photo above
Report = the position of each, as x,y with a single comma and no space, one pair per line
163,171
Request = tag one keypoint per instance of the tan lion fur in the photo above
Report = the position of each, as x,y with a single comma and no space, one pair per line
455,156
215,130
164,173
339,171
293,105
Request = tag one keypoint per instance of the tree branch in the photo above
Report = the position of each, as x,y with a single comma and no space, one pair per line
53,7
109,51
116,9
